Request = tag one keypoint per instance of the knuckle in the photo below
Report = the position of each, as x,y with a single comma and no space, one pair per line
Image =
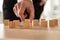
13,8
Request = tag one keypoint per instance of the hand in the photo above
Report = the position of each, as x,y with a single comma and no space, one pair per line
42,2
20,7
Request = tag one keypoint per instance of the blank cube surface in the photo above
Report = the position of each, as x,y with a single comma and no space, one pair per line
27,24
43,23
53,22
6,22
35,22
16,22
11,25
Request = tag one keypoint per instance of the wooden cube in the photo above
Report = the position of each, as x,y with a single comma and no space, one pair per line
53,22
35,22
16,22
43,23
27,24
6,22
11,25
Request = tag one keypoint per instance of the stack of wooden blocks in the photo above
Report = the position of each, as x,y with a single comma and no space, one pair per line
28,25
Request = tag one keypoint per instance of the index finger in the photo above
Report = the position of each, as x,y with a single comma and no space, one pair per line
31,15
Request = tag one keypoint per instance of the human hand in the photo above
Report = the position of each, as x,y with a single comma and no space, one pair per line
19,9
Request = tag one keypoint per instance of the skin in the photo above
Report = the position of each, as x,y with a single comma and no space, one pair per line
20,7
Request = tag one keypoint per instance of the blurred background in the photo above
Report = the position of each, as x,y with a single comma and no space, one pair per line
51,10
1,21
1,12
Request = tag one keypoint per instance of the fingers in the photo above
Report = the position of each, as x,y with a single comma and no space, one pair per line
21,11
30,10
23,16
31,14
16,9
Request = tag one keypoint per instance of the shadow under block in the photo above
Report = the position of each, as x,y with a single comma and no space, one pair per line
27,24
6,22
53,23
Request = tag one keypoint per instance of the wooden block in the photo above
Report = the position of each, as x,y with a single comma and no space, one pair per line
27,24
16,22
6,22
43,23
11,25
35,22
53,23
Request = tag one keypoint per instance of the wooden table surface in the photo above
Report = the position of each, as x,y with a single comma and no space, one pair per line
33,34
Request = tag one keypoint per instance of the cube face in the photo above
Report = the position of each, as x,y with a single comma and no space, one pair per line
35,22
16,22
43,23
53,23
6,22
27,24
11,25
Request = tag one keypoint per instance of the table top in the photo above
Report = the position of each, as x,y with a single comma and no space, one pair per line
32,34
51,33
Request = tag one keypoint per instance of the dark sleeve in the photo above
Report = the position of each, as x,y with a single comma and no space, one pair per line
8,4
36,2
8,9
38,8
